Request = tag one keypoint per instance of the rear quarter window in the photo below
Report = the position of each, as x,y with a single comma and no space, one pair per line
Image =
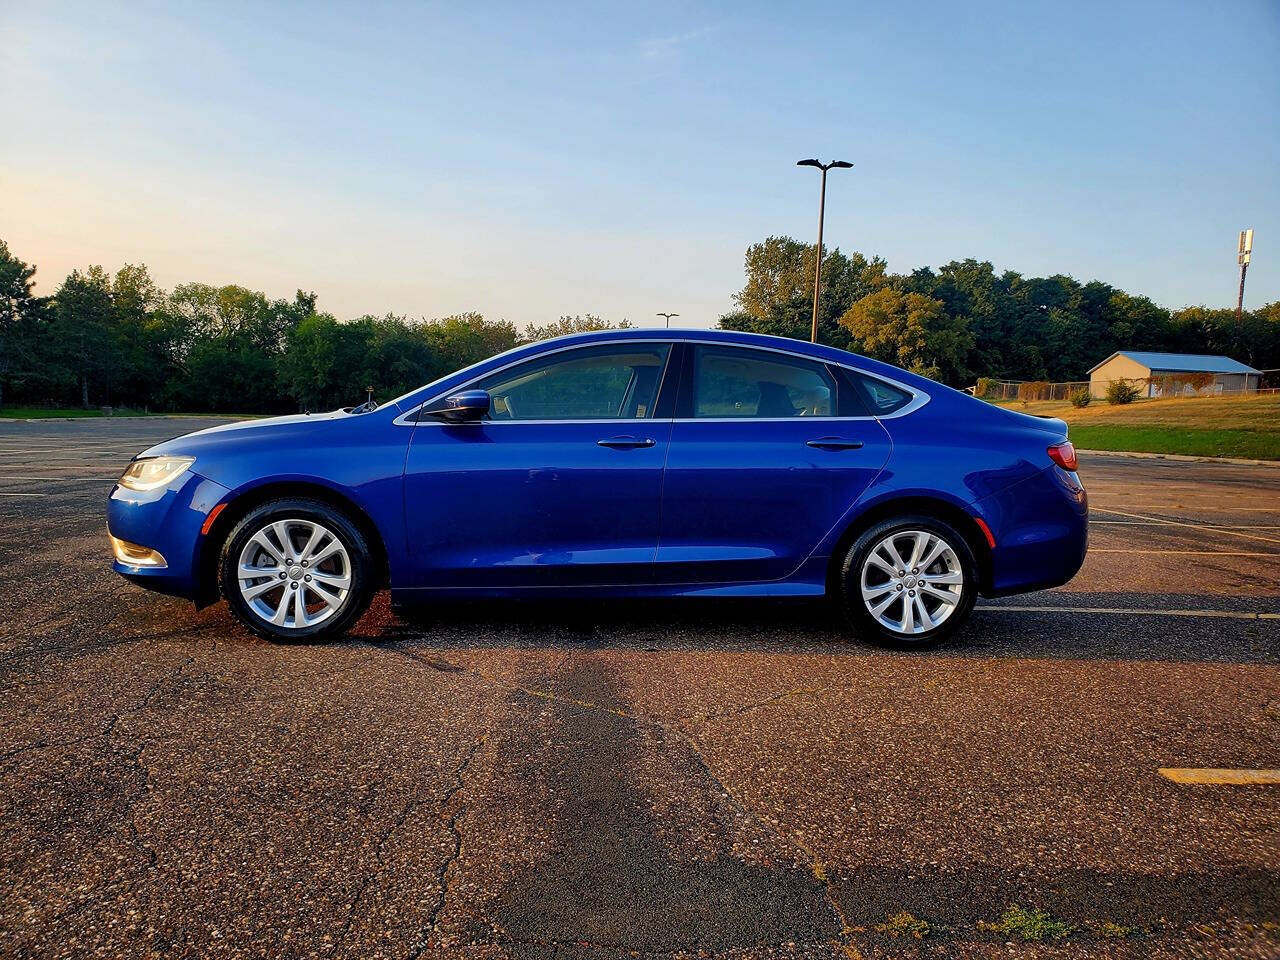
880,398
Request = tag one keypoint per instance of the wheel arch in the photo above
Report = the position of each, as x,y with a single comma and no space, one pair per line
935,507
238,506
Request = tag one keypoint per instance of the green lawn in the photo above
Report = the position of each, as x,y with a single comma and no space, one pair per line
1247,427
1252,445
43,413
69,413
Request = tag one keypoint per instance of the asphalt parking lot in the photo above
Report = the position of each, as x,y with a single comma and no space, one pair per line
650,779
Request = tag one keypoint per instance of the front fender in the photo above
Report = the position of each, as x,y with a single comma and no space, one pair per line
170,521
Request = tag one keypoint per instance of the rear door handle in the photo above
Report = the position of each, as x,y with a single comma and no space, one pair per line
834,443
626,443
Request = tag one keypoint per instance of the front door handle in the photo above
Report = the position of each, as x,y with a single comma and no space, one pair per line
834,443
626,443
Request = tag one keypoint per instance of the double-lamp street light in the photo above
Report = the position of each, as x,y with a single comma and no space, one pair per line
822,205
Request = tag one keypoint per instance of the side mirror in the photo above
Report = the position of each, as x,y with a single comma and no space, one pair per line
467,406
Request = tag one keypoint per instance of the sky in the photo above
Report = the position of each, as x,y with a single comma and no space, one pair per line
532,160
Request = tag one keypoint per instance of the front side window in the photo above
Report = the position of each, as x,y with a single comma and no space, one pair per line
613,382
731,382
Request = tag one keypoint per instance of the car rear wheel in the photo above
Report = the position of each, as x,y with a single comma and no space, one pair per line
908,582
296,570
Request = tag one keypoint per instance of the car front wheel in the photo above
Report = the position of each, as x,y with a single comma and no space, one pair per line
908,582
296,570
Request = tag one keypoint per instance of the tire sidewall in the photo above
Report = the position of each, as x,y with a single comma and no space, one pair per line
859,618
337,523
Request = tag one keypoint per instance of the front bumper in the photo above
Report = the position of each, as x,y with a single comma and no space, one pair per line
168,521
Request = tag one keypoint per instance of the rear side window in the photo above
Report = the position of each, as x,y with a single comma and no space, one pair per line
880,398
729,382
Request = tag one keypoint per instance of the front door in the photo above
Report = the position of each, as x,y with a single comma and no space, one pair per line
768,453
560,486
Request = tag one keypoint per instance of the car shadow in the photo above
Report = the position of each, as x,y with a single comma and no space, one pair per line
996,629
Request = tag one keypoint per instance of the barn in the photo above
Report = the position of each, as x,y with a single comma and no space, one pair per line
1173,374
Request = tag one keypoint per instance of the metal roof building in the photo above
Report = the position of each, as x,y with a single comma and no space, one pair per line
1166,374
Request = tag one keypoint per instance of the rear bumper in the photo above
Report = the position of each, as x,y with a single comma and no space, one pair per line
1041,530
169,521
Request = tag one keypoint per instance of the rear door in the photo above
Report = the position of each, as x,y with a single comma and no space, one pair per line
561,486
768,451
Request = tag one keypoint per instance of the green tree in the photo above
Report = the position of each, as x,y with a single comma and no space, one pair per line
461,340
141,341
328,364
83,330
400,355
911,330
971,289
19,318
1135,323
777,297
567,325
1260,337
235,334
227,374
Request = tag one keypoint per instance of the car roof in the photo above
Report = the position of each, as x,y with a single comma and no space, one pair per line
817,350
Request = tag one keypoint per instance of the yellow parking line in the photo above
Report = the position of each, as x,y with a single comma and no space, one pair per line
1211,777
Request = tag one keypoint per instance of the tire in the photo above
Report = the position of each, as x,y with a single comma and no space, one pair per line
333,582
953,572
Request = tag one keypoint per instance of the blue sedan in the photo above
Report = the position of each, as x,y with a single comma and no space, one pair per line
632,463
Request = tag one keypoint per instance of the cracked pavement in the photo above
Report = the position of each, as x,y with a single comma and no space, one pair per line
638,779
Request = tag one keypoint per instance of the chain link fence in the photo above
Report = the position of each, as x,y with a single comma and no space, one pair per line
1161,387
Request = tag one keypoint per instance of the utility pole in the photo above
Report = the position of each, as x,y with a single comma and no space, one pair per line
822,207
1245,252
668,316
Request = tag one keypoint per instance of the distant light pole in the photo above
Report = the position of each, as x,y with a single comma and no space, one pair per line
822,206
668,316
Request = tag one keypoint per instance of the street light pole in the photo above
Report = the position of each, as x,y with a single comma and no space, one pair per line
822,208
668,316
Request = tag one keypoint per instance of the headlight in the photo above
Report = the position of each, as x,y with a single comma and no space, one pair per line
153,472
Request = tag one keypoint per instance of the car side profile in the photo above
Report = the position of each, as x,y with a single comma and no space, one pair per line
635,463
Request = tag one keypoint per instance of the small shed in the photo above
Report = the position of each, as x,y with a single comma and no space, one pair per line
1173,374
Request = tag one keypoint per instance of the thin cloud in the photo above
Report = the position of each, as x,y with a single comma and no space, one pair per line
658,48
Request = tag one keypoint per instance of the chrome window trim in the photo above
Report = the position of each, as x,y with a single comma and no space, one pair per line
918,397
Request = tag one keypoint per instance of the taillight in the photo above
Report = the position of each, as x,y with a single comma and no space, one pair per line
1064,455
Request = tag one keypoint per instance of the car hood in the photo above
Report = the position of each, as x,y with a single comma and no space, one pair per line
265,429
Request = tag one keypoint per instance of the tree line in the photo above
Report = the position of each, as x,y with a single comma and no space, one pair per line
118,339
964,320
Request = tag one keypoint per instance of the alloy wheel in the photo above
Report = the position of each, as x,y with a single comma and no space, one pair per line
912,581
294,573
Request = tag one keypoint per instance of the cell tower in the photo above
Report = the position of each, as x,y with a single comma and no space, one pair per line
1244,254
